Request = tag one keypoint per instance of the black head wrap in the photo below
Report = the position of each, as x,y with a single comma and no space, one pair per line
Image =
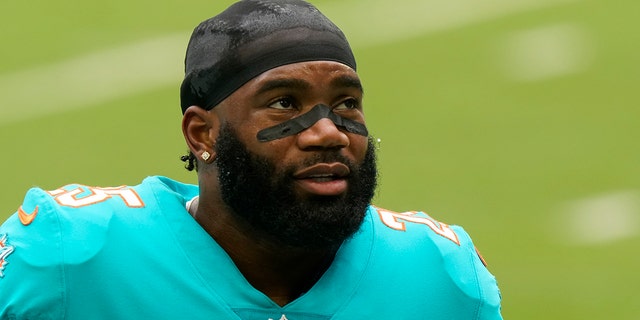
251,37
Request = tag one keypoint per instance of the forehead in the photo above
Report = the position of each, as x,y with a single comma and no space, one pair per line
307,75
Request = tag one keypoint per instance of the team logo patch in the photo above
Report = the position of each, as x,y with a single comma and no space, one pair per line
27,218
5,251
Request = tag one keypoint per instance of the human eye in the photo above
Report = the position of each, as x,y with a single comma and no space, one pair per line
282,103
347,104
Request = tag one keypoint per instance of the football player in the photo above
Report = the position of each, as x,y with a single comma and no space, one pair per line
280,225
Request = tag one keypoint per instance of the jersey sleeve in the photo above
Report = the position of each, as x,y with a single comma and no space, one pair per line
441,267
485,286
31,269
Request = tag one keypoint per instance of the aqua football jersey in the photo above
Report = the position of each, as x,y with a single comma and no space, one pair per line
83,252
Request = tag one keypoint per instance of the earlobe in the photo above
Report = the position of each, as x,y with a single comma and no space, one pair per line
200,128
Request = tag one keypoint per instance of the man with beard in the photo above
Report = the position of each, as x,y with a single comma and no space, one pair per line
280,225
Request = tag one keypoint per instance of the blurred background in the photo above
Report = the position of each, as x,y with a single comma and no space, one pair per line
516,119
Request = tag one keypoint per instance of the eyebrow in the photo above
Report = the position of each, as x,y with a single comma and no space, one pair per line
283,83
347,81
342,81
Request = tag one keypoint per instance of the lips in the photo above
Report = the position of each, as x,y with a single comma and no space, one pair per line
325,179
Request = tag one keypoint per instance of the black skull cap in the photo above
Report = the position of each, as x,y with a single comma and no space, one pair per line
251,37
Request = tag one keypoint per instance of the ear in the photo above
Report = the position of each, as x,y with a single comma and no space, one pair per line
200,128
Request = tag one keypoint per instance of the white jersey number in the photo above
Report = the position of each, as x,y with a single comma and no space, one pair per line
85,196
397,220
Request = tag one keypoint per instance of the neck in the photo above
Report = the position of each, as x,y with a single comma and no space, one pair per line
283,273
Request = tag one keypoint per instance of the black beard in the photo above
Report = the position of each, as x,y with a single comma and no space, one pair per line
264,196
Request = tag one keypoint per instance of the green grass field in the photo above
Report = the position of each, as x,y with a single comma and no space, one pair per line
517,119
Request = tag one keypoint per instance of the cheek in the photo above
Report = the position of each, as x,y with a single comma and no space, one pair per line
358,146
247,131
277,150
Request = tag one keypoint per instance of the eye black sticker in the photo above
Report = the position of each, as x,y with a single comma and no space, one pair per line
305,121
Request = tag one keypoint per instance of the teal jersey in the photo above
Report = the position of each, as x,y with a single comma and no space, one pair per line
82,252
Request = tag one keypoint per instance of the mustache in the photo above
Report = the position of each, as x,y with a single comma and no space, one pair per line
326,157
331,156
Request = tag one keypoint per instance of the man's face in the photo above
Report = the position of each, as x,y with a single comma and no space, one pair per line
310,189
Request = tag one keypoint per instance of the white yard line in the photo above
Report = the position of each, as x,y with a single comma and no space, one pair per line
92,79
600,219
546,52
155,63
378,22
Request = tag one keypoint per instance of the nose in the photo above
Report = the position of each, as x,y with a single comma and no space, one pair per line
322,135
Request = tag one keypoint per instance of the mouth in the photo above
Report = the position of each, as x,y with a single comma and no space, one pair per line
324,179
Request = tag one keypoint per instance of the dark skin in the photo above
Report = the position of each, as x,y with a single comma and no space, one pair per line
281,272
